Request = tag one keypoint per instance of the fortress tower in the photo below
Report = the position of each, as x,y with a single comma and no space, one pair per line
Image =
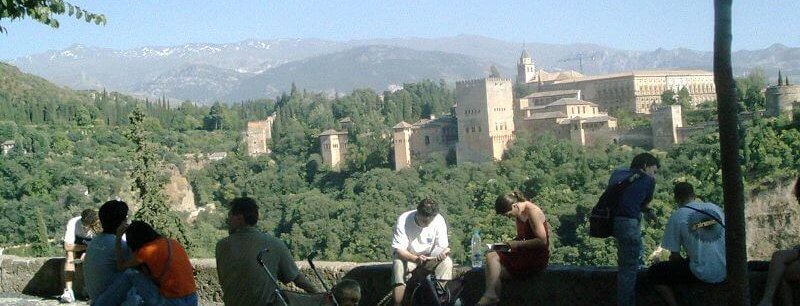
333,146
526,68
257,135
485,112
782,98
402,145
666,122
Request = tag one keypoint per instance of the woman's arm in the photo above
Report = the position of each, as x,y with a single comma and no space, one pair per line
123,264
536,217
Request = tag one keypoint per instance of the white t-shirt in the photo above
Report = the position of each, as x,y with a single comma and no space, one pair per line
75,228
701,237
419,240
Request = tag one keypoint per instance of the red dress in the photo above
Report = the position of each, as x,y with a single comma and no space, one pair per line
524,262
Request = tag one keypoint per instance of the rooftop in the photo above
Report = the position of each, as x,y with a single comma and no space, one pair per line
332,132
656,73
547,115
552,93
402,125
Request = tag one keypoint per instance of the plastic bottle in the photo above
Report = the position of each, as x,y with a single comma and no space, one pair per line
477,250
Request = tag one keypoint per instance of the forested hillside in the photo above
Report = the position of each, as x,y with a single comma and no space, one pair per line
72,154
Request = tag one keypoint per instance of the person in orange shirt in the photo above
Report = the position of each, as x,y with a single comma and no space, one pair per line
165,274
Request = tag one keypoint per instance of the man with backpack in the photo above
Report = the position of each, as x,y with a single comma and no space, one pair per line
627,229
420,240
698,228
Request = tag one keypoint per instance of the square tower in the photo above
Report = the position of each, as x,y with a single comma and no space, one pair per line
257,135
485,112
666,122
333,146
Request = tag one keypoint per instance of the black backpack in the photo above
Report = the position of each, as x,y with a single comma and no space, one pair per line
601,220
423,289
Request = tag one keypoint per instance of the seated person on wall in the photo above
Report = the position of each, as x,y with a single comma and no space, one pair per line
243,280
420,239
347,292
80,230
166,276
784,268
698,228
529,251
100,263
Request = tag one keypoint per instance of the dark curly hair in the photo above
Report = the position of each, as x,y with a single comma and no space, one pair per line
427,208
503,203
140,233
797,189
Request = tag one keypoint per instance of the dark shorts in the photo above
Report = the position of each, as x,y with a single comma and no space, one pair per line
671,273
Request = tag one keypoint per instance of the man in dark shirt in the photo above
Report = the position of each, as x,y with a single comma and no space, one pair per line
627,222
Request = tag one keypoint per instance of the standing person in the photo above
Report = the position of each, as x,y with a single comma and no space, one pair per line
80,230
243,280
166,276
420,239
101,276
627,222
784,268
698,228
529,251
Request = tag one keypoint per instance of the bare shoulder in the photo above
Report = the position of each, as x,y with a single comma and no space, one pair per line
535,212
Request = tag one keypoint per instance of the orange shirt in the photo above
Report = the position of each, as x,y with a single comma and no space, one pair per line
178,281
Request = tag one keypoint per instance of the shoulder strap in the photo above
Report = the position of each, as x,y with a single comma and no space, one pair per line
707,214
169,261
623,184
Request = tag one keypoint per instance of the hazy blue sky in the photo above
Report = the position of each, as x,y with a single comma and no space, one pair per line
624,24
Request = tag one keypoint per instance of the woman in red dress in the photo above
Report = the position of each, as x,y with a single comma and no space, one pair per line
530,251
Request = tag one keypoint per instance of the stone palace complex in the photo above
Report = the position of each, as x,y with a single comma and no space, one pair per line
487,117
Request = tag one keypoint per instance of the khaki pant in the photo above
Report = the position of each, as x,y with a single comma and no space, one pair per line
401,269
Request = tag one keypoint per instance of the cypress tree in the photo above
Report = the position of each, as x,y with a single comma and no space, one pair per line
146,174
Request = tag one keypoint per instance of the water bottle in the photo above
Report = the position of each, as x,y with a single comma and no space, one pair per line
477,254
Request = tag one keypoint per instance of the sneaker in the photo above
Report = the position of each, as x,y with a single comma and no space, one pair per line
67,297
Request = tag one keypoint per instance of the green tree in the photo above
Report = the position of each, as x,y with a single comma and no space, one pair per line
668,97
749,90
41,247
685,98
149,184
44,11
494,72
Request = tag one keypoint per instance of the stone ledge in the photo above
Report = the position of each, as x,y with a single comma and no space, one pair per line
558,285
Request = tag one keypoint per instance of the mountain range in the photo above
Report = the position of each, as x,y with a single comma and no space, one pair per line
263,68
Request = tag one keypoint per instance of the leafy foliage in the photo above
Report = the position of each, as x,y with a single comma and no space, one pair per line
150,184
44,11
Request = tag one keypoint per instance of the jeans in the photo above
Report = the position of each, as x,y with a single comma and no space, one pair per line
145,288
628,235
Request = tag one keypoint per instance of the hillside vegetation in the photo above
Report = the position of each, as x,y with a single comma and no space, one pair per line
72,153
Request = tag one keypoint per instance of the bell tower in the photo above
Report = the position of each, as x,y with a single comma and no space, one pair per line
526,68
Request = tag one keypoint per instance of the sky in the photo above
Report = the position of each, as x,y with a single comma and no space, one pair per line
623,24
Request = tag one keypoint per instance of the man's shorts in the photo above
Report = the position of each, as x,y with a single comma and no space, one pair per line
671,273
401,269
74,252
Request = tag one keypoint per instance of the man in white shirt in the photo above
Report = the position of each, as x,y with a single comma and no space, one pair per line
698,228
420,238
80,230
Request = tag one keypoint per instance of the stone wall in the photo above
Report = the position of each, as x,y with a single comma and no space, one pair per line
558,285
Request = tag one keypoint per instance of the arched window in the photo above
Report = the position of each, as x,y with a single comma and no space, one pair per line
427,140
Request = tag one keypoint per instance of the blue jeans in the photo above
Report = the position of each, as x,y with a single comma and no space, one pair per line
145,289
628,235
